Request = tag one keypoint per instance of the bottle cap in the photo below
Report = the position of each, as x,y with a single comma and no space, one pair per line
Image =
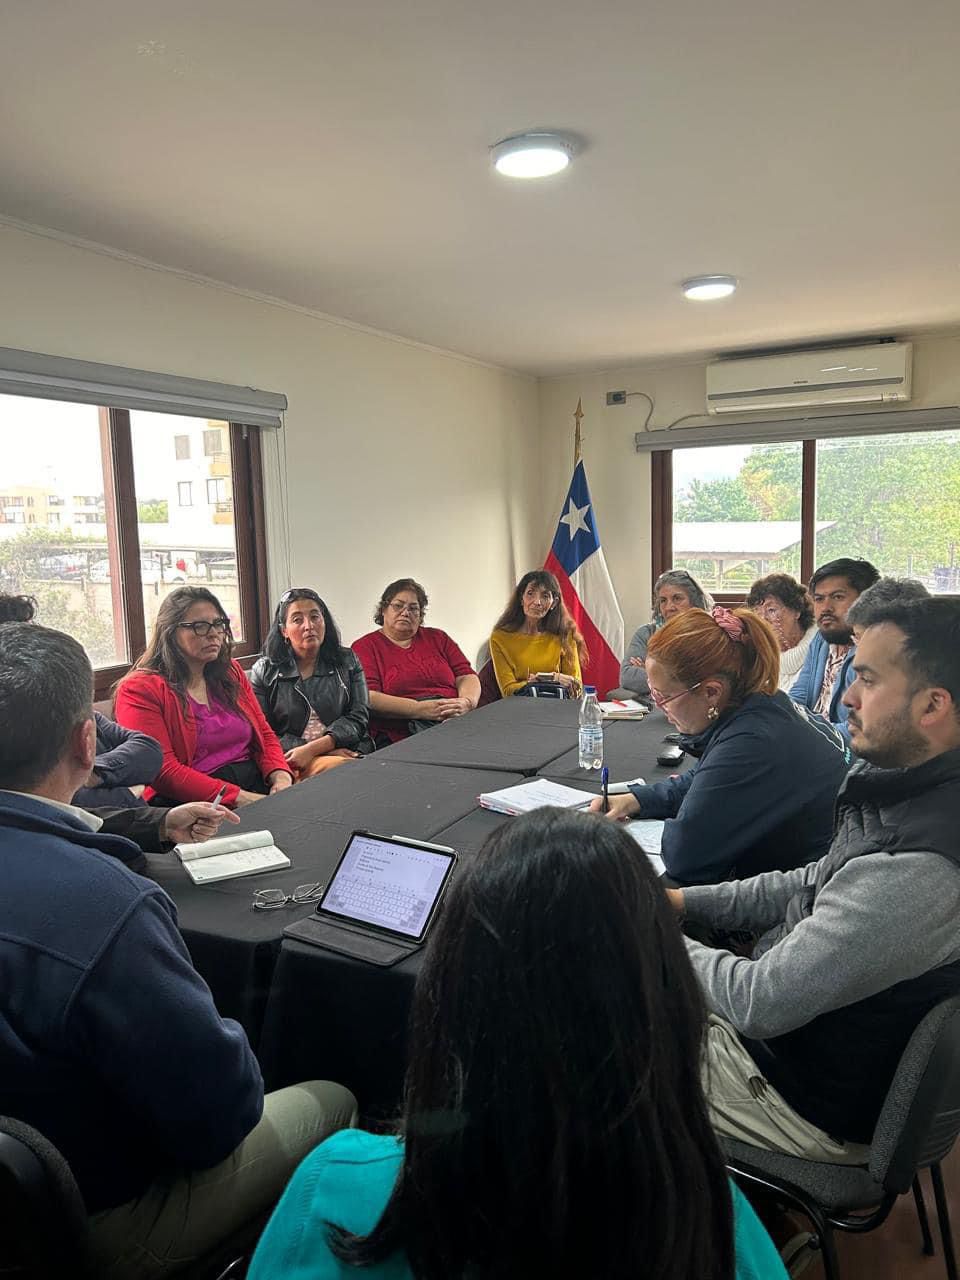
589,688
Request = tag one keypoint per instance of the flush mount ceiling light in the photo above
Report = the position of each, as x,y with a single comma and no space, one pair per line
532,155
707,288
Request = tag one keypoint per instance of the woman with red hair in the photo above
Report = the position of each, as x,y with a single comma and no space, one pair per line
760,797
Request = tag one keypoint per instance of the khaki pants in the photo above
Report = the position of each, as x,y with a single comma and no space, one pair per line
182,1219
743,1105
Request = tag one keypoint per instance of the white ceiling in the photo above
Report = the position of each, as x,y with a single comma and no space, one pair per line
335,156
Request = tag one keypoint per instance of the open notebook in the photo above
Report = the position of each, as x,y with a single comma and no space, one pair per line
231,856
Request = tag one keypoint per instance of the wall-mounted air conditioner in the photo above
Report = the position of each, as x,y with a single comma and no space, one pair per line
807,379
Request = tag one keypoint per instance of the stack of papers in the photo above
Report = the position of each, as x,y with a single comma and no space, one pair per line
623,709
535,794
231,856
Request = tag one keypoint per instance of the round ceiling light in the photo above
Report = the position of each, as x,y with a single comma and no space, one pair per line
532,155
707,288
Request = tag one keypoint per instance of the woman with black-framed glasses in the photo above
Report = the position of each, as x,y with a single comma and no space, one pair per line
200,707
311,689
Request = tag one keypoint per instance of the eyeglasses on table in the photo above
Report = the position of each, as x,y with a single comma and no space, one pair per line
271,899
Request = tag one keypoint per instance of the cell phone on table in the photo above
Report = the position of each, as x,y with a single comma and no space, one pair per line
545,675
671,737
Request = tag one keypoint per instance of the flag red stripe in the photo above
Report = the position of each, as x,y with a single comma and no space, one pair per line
603,669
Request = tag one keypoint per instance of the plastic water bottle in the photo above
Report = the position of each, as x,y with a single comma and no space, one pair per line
590,737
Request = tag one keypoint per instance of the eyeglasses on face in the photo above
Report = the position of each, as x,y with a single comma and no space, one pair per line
661,701
203,628
271,899
398,606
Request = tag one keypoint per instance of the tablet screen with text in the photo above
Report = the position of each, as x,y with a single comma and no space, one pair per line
387,883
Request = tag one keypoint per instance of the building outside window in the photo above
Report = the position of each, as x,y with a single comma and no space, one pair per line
212,442
119,529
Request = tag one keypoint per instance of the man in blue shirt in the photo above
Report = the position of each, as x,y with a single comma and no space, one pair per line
110,1043
827,669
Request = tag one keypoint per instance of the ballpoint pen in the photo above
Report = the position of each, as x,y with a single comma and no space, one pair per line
605,783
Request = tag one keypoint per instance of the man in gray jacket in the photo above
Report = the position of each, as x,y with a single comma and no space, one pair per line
805,1035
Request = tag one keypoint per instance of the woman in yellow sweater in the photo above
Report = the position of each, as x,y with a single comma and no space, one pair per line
535,635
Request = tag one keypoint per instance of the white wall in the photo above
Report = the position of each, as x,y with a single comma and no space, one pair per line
398,459
619,477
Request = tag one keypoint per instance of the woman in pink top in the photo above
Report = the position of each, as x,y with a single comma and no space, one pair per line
416,675
200,707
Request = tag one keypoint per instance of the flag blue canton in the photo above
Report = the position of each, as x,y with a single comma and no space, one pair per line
577,536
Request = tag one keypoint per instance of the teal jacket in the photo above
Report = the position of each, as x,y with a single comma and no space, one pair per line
348,1180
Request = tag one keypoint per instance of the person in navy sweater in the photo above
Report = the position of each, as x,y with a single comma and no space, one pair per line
110,1043
760,797
827,670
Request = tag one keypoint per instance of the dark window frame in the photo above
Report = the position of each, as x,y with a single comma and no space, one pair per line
123,538
661,516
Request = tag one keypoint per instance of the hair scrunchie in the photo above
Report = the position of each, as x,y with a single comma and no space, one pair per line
728,622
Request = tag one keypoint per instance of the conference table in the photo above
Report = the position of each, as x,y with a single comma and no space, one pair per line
311,1013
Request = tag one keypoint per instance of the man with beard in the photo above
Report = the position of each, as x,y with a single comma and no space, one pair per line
805,1035
827,668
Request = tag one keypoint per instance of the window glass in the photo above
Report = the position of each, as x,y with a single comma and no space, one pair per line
893,500
736,513
184,542
54,525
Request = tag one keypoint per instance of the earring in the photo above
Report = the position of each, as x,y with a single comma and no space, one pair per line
713,713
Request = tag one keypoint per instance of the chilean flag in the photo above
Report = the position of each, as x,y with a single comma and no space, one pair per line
576,558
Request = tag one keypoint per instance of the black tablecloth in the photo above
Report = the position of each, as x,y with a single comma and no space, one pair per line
313,1013
234,947
629,751
518,734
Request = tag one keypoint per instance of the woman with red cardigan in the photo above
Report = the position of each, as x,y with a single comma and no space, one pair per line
189,694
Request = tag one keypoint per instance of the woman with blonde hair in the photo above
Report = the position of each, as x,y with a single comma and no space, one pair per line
760,797
536,636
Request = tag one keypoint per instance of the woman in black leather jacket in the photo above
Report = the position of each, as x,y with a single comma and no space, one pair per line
312,690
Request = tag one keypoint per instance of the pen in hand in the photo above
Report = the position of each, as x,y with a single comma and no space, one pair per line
220,794
605,784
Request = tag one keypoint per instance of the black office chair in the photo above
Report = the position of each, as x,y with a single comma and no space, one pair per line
917,1127
43,1221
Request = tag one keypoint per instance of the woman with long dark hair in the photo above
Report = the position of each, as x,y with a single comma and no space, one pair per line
188,693
553,1122
536,636
311,689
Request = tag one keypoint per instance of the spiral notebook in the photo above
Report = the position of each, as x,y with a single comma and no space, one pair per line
226,858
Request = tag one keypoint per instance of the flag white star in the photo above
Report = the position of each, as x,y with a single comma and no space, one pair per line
574,519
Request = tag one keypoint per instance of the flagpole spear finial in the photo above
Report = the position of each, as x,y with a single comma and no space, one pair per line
577,441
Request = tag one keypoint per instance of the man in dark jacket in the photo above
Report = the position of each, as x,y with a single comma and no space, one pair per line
110,1043
805,1036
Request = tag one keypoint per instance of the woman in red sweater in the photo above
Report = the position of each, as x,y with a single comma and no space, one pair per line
189,694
